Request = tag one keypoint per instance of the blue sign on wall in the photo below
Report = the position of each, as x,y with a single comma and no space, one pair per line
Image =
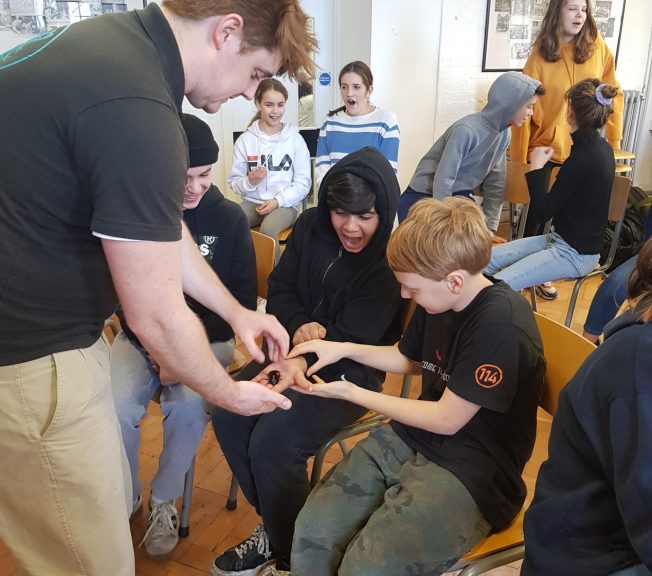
324,78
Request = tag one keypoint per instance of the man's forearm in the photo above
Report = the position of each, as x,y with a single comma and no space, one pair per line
179,345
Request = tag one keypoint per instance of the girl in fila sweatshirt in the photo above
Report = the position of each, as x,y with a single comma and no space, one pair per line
271,164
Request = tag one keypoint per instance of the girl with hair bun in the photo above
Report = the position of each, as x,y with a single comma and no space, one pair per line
578,202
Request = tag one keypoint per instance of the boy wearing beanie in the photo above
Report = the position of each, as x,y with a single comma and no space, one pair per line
221,232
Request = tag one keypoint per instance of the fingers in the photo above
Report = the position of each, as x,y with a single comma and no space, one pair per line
276,400
253,349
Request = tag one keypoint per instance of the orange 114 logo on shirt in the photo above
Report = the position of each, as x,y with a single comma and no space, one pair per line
488,375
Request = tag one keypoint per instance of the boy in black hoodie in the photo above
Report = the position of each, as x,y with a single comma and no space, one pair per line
221,232
332,282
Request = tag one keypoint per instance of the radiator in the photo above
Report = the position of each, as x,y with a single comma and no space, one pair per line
631,118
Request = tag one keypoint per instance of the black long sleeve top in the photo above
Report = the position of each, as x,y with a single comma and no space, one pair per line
578,202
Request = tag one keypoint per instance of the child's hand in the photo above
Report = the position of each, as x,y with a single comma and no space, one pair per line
257,175
309,331
540,156
267,206
328,352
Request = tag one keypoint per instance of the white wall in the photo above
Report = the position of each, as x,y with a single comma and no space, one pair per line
404,61
463,87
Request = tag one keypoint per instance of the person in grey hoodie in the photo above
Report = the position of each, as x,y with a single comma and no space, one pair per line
472,151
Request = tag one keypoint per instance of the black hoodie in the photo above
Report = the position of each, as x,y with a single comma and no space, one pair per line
221,232
354,296
592,508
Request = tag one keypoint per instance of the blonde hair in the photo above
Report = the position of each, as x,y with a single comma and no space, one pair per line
439,237
269,24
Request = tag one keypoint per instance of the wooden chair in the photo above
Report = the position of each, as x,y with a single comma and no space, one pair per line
624,160
617,206
265,248
565,351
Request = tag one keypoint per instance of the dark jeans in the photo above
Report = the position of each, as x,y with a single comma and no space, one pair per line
609,298
410,197
268,455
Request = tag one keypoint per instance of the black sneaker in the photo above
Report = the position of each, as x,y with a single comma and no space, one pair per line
245,559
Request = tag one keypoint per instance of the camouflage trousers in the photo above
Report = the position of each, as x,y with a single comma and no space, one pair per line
385,511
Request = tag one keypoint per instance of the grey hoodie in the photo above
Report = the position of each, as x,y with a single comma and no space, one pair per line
472,151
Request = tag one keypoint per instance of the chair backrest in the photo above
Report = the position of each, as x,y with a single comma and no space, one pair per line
565,351
516,190
310,137
618,200
265,248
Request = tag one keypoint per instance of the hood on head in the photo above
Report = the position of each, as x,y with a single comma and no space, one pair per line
509,92
370,165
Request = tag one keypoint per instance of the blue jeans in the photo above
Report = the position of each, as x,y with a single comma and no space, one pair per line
133,383
531,261
609,298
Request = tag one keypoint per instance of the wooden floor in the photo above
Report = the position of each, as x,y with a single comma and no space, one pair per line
213,528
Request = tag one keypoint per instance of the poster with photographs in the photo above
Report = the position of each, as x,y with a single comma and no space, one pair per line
512,25
31,17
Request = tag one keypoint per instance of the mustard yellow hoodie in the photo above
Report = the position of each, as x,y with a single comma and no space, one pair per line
548,125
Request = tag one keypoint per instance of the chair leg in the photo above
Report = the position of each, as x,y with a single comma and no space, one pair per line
494,561
232,501
533,297
184,526
318,464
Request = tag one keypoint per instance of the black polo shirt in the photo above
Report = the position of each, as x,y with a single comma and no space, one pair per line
90,144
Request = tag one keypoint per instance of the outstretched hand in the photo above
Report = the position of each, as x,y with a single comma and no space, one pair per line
249,324
252,398
327,353
280,376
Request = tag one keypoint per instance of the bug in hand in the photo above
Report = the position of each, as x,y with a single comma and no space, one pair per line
274,377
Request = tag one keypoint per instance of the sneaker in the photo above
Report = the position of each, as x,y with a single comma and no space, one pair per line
162,532
247,558
136,508
547,291
273,571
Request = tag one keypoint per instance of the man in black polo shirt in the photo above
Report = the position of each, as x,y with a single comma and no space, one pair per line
92,174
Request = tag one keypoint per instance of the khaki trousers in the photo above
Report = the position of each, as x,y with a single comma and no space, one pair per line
63,507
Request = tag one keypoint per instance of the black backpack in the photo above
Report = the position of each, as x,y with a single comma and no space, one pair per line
631,234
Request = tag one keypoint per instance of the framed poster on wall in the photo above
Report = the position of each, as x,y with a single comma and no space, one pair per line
512,25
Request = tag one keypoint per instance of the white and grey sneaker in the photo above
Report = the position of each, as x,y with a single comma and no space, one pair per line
162,532
245,559
136,508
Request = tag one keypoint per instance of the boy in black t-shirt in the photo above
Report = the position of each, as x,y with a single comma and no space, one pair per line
446,471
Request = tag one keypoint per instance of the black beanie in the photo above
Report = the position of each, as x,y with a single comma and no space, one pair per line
202,148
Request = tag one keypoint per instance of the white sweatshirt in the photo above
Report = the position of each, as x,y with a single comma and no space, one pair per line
286,157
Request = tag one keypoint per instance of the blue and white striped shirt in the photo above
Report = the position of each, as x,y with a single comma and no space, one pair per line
342,134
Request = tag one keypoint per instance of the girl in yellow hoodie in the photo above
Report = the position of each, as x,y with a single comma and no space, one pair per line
567,49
